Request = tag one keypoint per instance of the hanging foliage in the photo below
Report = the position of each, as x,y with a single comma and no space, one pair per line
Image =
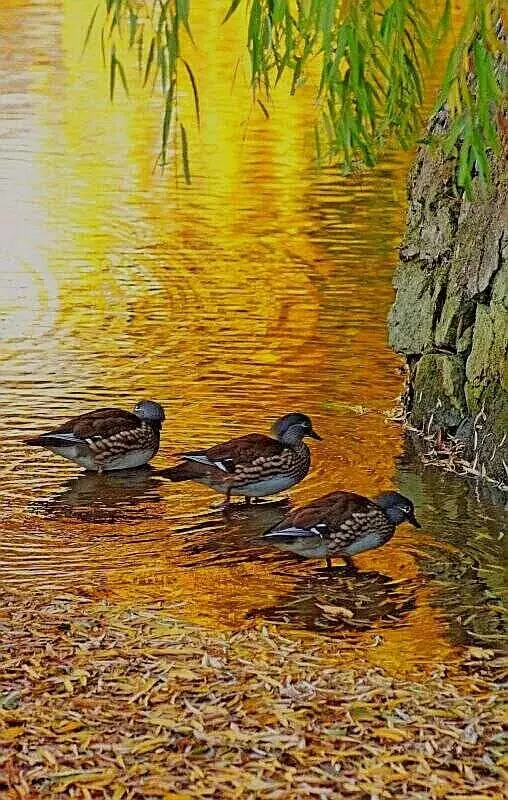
373,58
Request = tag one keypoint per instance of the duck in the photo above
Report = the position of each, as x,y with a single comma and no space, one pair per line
108,438
342,524
254,465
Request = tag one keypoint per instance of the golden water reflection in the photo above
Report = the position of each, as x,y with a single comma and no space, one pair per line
261,288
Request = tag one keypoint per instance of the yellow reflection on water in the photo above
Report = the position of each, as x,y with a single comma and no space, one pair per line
261,288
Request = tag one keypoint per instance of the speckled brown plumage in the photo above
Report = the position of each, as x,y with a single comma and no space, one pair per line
253,465
343,524
246,459
344,516
143,437
107,438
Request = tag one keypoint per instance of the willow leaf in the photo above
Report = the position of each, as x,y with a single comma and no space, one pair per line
166,123
149,61
194,90
90,28
232,8
112,74
263,108
185,155
123,77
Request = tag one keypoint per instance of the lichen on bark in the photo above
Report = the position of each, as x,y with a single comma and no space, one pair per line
450,315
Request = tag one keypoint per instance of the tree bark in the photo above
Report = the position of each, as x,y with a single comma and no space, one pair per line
450,315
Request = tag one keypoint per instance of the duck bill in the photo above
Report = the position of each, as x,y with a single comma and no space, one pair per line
316,435
412,519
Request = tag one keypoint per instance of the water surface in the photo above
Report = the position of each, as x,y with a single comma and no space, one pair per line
261,288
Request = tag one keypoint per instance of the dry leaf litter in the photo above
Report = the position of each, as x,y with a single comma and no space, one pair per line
120,702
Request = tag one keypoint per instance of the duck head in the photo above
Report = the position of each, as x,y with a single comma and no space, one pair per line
397,508
151,412
291,428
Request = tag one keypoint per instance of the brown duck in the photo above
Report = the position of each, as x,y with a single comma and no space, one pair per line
108,438
342,524
253,465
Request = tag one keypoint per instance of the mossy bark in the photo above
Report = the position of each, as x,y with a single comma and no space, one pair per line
450,315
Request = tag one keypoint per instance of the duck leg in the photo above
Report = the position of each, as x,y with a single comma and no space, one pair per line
350,564
227,502
225,505
329,562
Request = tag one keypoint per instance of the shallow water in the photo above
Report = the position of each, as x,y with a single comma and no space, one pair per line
261,288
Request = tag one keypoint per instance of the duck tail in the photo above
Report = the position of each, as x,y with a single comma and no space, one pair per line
35,441
182,472
54,440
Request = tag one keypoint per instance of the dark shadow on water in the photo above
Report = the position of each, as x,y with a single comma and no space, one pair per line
463,555
233,537
322,600
339,600
126,496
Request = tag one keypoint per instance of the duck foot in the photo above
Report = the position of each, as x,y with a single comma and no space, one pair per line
349,568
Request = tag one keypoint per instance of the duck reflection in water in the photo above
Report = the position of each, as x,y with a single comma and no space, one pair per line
111,497
232,538
339,600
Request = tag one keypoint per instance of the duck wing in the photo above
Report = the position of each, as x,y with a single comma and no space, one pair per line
345,515
97,427
254,448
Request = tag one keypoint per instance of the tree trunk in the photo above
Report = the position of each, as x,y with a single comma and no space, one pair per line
450,315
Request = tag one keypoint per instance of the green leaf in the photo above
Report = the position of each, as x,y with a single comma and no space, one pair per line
444,24
296,75
121,70
194,90
263,108
133,23
185,155
330,132
278,8
232,8
479,153
464,171
149,61
112,74
455,132
254,40
182,13
166,123
89,29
